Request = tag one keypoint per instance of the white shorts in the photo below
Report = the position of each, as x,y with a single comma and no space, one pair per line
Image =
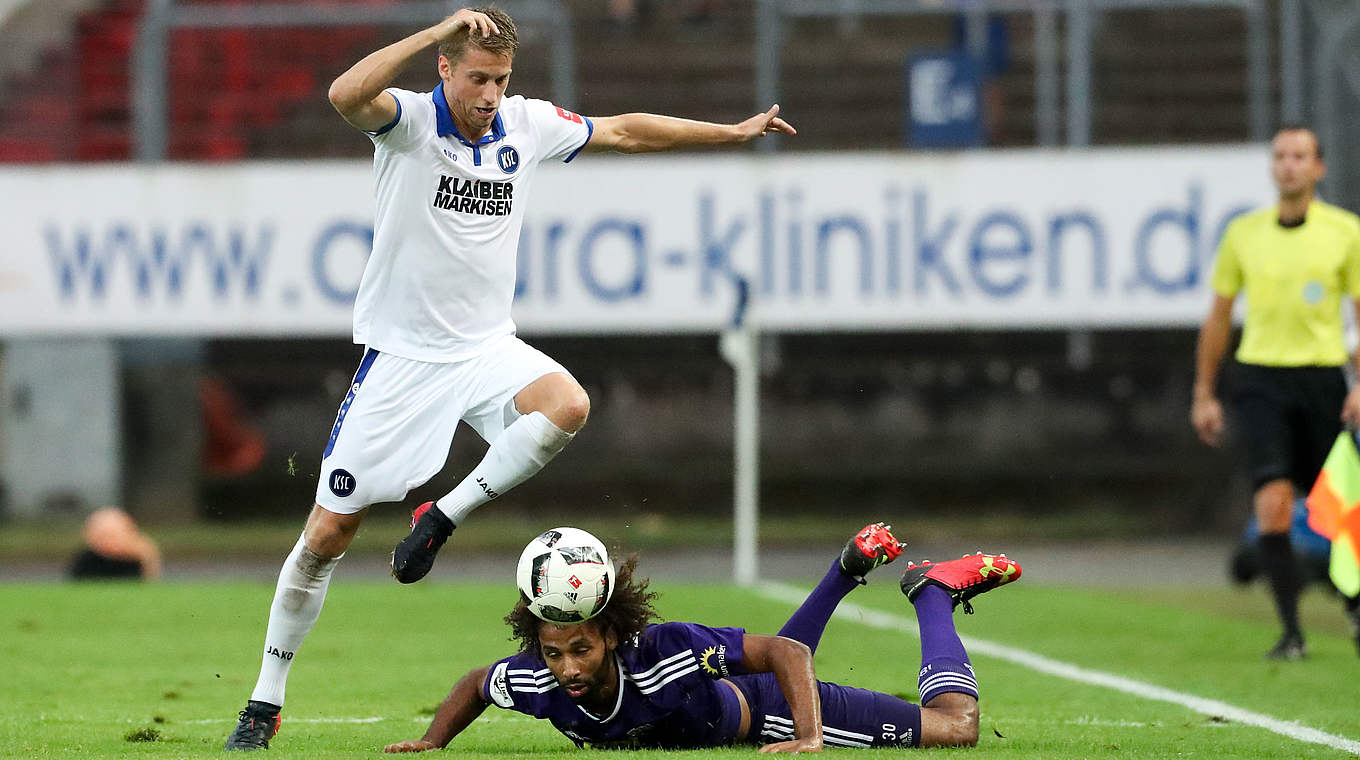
395,427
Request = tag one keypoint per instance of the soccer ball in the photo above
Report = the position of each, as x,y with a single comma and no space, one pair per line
566,575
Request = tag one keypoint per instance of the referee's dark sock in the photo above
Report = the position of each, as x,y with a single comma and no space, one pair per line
1277,559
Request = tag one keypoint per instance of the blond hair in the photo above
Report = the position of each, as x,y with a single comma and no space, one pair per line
504,41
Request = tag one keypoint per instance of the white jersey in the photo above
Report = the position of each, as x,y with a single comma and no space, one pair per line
440,280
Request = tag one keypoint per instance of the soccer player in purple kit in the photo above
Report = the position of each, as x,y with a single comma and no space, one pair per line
620,681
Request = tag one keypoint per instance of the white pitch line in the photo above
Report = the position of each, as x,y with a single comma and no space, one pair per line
204,721
426,719
888,621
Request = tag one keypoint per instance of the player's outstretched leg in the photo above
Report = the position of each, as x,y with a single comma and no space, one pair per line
949,691
414,555
298,598
962,578
521,450
871,547
259,722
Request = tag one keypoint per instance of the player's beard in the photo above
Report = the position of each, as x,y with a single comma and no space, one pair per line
593,688
479,119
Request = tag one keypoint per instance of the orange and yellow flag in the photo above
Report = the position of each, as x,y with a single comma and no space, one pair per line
1334,512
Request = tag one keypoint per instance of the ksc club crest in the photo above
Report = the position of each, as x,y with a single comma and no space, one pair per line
508,159
342,483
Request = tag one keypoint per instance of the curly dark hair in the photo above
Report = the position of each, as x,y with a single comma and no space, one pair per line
628,612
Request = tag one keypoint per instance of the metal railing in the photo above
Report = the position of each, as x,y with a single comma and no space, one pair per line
1319,69
772,15
1335,102
151,53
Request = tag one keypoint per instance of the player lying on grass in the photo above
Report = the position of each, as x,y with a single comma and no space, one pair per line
619,680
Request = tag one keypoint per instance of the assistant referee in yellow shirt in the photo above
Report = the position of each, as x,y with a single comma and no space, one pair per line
1295,261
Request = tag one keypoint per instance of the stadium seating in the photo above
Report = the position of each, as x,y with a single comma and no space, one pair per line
261,92
227,88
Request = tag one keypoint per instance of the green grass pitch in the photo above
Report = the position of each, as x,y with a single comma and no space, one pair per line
85,670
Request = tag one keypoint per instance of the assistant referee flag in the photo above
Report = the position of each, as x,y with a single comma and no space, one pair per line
1334,512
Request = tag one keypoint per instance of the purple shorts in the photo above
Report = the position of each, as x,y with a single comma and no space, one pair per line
851,717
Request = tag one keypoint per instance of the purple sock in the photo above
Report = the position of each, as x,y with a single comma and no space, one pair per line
809,620
944,663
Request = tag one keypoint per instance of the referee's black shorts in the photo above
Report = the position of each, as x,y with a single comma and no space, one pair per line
1289,418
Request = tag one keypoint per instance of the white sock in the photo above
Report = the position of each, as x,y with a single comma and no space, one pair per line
297,603
521,450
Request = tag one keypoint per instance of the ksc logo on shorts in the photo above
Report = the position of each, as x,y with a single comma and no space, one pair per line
342,483
508,159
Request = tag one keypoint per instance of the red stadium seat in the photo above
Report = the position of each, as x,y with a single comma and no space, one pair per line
225,87
25,150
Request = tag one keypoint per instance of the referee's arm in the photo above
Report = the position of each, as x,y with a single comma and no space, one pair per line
1206,413
1350,409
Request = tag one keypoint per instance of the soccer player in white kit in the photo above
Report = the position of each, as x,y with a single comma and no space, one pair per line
453,169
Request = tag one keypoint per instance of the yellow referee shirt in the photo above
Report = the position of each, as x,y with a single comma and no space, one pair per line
1294,279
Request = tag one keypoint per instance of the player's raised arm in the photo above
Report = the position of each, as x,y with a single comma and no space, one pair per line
649,133
358,93
462,706
791,663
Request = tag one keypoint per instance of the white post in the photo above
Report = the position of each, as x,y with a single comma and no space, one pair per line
740,346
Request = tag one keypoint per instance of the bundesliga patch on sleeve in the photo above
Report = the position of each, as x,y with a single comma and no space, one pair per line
568,115
498,687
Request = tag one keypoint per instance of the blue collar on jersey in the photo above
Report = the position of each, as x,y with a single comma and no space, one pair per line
444,121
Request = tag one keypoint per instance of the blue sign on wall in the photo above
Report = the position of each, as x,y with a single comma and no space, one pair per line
944,100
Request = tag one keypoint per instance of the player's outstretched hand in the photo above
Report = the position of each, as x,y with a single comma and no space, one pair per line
765,124
478,24
413,745
795,746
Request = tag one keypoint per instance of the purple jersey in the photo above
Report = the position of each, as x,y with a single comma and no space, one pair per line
668,696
